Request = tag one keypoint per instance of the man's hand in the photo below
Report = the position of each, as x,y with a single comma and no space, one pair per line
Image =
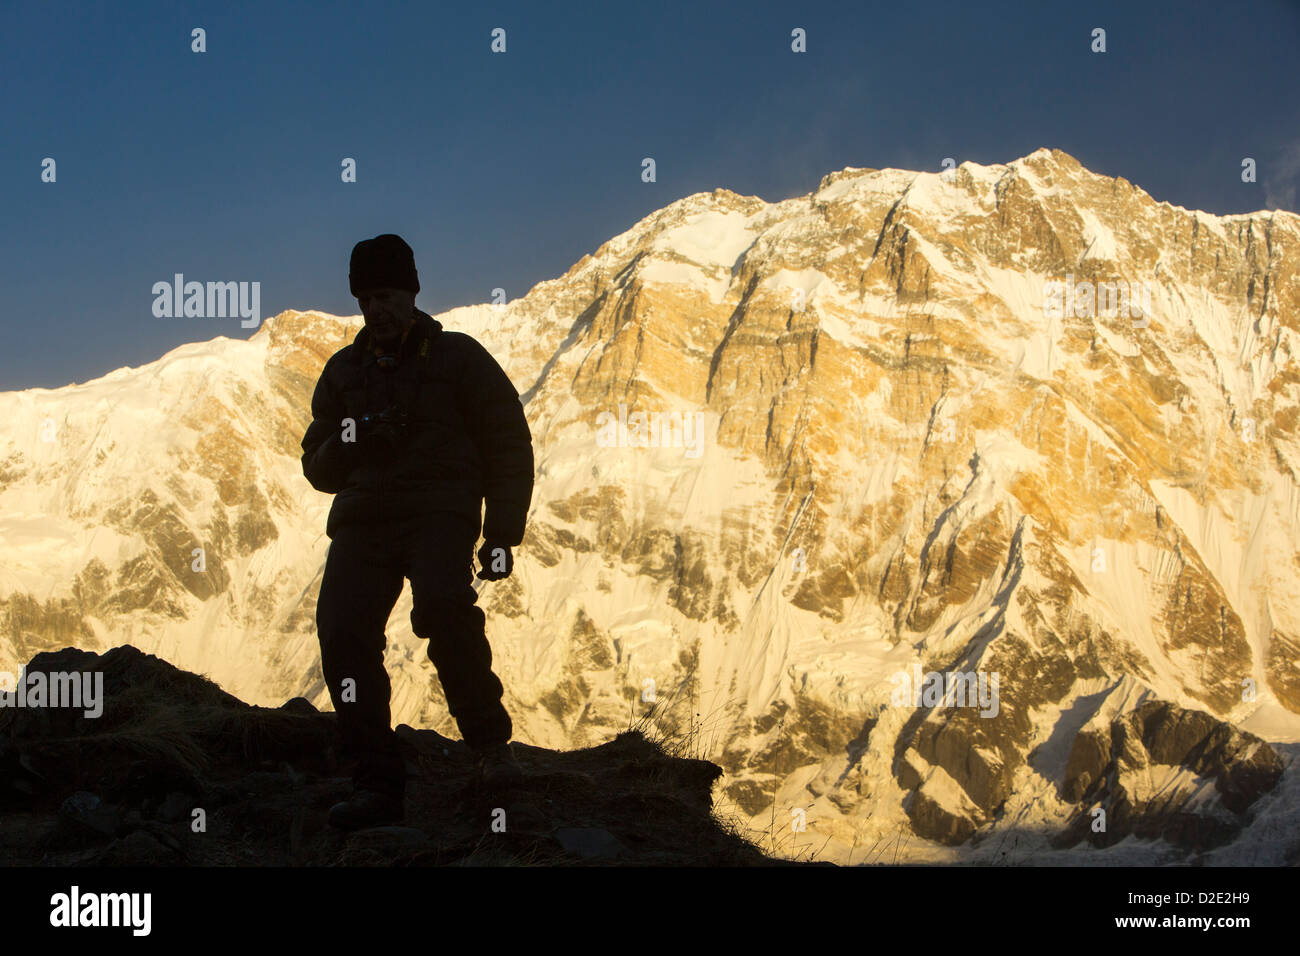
495,560
381,437
371,437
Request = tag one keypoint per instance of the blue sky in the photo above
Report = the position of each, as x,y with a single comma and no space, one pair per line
505,169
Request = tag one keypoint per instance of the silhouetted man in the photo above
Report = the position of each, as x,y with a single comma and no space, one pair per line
414,429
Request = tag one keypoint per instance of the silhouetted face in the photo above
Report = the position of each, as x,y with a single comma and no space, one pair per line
388,312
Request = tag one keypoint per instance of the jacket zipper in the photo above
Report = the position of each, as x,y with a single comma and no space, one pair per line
386,462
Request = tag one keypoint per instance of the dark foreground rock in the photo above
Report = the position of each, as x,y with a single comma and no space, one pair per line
177,772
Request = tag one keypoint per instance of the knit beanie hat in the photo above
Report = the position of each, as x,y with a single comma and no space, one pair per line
382,261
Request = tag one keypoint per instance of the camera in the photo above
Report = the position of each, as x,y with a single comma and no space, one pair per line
393,415
387,428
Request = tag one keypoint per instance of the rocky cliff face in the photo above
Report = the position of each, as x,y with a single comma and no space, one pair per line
903,498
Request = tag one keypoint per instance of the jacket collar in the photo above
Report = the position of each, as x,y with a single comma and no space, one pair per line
426,328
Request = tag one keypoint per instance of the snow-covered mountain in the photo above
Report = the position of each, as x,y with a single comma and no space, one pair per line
887,438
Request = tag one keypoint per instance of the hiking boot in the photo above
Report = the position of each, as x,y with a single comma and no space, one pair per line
367,808
498,768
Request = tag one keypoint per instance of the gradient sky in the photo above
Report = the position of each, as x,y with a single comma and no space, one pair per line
504,170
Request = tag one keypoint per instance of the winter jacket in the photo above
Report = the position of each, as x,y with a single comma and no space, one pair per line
467,440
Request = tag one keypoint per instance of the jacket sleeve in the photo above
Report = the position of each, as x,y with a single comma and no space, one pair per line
500,431
326,459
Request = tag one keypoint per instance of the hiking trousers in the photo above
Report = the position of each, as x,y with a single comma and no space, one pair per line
363,579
